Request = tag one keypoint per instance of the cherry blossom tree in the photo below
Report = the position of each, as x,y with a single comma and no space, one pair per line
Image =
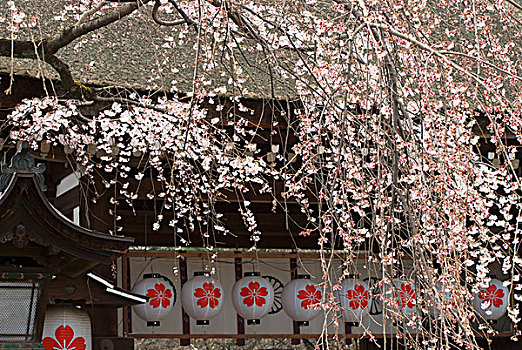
392,104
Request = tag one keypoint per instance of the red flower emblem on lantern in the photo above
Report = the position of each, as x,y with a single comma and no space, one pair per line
406,295
493,295
64,340
310,296
358,297
159,296
254,294
208,295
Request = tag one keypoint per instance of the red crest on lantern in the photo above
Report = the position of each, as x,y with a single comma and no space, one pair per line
491,303
302,299
66,328
161,295
354,299
202,298
252,297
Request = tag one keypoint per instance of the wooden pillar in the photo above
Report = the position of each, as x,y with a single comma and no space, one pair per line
183,275
295,325
127,314
347,332
238,268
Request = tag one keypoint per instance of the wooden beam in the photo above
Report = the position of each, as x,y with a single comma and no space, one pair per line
275,335
241,336
229,255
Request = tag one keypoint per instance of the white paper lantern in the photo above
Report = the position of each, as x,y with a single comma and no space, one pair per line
252,297
491,303
355,300
66,327
301,299
404,296
161,294
202,298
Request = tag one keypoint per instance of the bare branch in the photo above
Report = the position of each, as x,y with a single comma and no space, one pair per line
518,6
184,15
74,32
158,20
29,49
76,90
481,61
90,12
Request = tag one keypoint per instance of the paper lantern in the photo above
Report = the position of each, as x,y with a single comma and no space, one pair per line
355,300
202,298
404,296
301,300
161,294
252,297
66,327
491,303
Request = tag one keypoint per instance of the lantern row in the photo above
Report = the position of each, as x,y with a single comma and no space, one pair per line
253,296
68,327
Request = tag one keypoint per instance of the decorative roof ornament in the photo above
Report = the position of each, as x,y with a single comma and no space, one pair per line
22,163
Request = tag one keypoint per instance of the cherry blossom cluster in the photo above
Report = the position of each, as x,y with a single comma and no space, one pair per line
177,156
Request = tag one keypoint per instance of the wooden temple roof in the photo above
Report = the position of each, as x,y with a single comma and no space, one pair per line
32,227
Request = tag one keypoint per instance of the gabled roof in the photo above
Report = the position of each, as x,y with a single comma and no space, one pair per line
27,216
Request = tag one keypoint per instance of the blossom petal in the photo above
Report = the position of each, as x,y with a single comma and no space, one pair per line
165,302
254,285
310,288
209,287
64,334
160,287
354,304
245,292
154,302
350,294
199,293
491,289
78,344
202,302
302,294
50,344
213,302
262,291
359,288
260,300
248,301
152,293
497,302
